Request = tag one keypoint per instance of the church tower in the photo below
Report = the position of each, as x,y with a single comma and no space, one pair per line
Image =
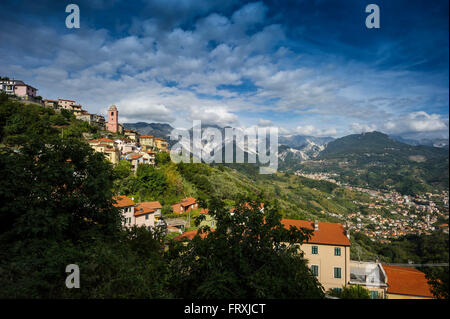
113,119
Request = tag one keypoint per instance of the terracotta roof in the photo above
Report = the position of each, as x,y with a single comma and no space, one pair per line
123,201
406,281
66,100
328,233
146,136
176,208
146,208
204,211
188,201
136,156
103,140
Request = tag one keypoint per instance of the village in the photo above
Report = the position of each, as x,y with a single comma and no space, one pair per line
391,214
327,251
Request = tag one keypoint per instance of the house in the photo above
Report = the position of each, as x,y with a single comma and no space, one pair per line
161,144
66,104
371,276
185,205
208,220
147,214
18,88
127,207
147,142
131,135
327,251
107,147
76,108
139,158
51,103
126,147
406,283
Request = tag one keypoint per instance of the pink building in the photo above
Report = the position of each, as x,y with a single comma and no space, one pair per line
66,104
24,90
113,119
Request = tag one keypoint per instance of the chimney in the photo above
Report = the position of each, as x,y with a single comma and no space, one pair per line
316,225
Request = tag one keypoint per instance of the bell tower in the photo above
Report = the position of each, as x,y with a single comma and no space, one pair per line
113,119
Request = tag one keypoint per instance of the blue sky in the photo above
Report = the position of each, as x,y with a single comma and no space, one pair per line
309,67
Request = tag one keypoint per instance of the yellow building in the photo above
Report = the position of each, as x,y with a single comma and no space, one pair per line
161,144
132,135
147,142
327,252
107,147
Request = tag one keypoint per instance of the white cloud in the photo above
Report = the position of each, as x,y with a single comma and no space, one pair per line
311,130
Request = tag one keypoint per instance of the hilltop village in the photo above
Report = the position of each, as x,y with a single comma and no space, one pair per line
328,249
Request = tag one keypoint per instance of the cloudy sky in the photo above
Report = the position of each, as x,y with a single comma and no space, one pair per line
309,67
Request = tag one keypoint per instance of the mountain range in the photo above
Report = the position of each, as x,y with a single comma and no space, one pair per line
374,160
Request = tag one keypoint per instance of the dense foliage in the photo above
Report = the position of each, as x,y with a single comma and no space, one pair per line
248,255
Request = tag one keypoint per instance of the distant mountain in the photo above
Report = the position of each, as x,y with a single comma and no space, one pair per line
378,161
377,145
161,130
435,142
300,141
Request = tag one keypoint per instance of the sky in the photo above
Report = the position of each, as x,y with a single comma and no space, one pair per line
308,67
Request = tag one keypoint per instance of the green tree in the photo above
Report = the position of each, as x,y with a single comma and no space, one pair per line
351,292
249,255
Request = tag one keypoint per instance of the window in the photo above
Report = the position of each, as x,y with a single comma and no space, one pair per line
315,270
338,290
337,251
337,272
146,216
314,250
374,295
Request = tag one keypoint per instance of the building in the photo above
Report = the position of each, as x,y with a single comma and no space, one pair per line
66,104
185,205
18,88
127,207
126,147
147,142
76,108
132,135
327,252
406,283
147,214
51,103
107,147
113,119
161,144
92,119
139,158
371,276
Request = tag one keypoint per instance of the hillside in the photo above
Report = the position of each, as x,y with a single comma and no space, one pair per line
377,161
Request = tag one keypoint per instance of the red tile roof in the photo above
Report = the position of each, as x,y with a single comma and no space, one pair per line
204,211
177,208
123,201
146,136
328,233
188,201
407,281
146,208
102,140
